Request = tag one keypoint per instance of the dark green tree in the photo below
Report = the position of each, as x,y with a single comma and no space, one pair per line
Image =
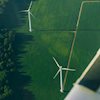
6,63
4,88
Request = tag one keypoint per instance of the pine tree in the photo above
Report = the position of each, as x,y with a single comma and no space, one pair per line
6,63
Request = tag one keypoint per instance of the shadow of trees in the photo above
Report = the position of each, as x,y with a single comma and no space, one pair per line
18,79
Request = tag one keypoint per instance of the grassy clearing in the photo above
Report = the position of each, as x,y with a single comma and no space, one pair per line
37,48
38,63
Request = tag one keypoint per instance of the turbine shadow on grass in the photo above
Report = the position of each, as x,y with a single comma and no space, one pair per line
18,79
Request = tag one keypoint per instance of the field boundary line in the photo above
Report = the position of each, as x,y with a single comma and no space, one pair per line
74,39
72,31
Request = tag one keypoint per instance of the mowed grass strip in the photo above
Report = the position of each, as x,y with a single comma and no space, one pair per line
37,62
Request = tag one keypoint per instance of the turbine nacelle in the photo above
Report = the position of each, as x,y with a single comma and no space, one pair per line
60,72
61,68
28,10
29,16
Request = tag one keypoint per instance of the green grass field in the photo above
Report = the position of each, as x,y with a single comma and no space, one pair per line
38,63
50,37
53,15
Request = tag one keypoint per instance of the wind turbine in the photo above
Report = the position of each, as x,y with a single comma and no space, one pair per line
29,16
60,72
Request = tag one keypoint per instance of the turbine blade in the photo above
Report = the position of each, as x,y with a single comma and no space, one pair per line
30,5
68,69
56,62
61,83
32,15
56,74
24,11
29,18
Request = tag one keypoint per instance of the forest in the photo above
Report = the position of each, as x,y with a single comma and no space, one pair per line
6,51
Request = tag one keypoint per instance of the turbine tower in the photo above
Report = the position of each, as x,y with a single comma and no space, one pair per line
60,72
29,16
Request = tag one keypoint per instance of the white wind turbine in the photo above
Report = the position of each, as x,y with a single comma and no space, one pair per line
29,16
60,71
